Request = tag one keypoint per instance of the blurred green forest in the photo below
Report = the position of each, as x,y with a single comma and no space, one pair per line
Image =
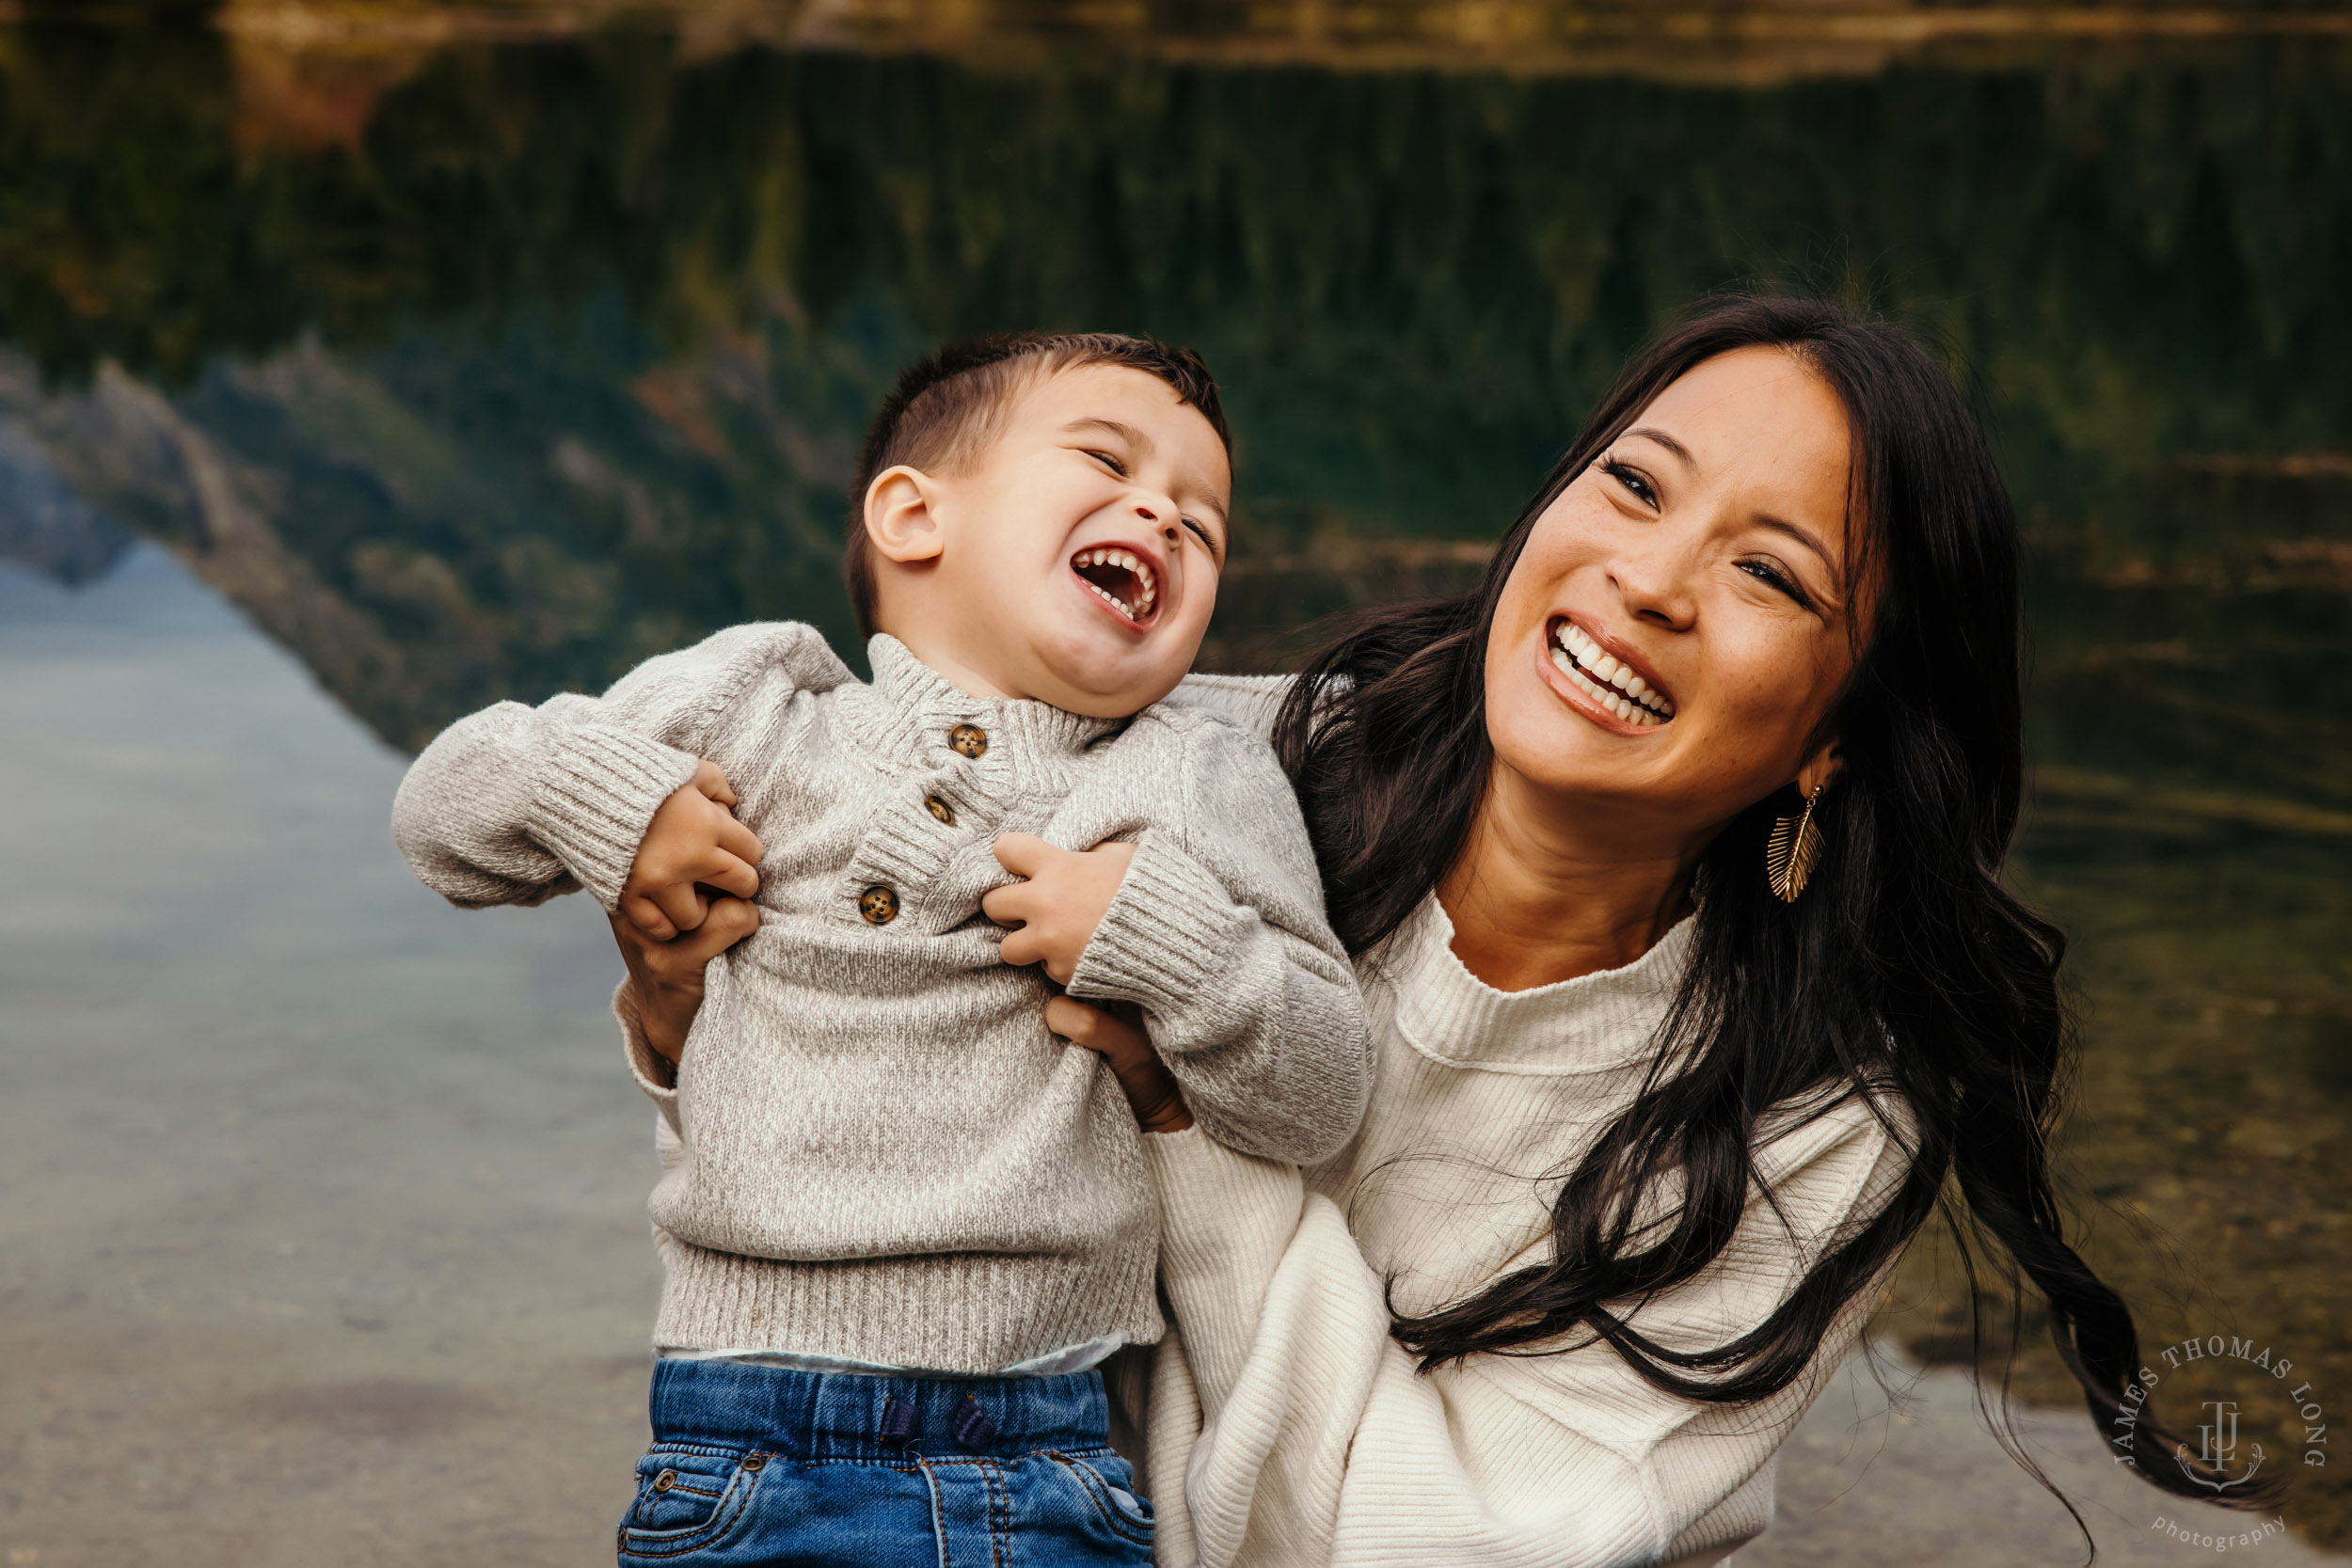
561,353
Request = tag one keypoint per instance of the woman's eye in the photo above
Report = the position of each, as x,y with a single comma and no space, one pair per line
1633,480
1764,572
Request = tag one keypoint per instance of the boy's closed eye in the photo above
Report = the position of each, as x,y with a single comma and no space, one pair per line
1117,463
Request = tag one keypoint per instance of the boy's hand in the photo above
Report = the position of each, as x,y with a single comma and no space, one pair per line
693,841
1054,912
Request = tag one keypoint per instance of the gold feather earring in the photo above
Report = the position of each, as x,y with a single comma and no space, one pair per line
1795,849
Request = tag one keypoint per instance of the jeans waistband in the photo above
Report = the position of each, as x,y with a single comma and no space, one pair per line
857,1416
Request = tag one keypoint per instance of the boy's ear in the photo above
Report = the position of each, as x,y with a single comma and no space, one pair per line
899,521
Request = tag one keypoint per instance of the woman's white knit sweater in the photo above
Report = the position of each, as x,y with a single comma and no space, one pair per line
1286,1426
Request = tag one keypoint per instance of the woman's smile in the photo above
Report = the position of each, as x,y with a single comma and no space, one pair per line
1604,683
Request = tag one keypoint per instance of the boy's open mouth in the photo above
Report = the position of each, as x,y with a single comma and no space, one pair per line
1120,578
1601,677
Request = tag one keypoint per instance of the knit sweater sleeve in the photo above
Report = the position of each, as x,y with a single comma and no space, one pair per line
1217,932
515,804
1288,1428
1250,700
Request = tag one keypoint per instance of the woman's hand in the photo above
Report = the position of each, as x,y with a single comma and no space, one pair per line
1115,1033
667,977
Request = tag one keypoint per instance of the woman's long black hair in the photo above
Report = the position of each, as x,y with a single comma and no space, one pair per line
1905,966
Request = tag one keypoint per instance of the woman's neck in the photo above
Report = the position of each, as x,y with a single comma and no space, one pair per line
1542,892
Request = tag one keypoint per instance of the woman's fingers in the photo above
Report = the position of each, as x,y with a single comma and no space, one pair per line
678,960
645,918
667,977
1097,1029
1077,1023
632,938
663,1012
685,907
727,922
1117,1036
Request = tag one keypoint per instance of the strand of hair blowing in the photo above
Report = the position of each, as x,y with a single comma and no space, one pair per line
1906,975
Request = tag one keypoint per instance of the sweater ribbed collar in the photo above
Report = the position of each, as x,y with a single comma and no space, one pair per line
1596,1022
911,711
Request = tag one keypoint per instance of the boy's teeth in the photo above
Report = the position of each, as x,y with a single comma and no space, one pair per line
1112,600
1147,587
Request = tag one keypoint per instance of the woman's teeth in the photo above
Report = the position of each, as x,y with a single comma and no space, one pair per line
1147,588
1599,676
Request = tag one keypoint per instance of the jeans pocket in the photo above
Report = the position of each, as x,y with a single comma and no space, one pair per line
689,1495
1109,1485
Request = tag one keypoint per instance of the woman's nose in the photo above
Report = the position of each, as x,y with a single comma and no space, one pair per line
1656,589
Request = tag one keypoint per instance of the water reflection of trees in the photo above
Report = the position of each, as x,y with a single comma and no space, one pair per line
599,324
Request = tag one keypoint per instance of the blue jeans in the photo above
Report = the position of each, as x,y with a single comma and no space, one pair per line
770,1465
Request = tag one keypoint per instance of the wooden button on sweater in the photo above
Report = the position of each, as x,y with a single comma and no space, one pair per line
879,905
940,809
969,740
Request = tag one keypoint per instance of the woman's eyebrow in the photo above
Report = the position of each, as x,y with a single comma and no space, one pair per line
1651,432
1802,535
1778,525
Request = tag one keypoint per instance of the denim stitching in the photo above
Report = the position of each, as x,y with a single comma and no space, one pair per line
939,1519
865,1464
1091,1482
709,1533
700,1451
999,1513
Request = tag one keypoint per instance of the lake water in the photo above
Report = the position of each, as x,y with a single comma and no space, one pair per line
351,379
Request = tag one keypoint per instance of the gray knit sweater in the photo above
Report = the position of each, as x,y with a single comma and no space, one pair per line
881,1153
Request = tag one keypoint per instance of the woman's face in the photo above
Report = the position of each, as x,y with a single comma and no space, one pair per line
1670,641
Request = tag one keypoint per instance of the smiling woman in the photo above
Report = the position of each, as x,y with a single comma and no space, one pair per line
1687,590
1671,860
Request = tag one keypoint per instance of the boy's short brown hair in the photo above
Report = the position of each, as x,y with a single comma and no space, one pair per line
947,407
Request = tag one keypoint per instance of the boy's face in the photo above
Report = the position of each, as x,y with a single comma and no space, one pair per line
1074,560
